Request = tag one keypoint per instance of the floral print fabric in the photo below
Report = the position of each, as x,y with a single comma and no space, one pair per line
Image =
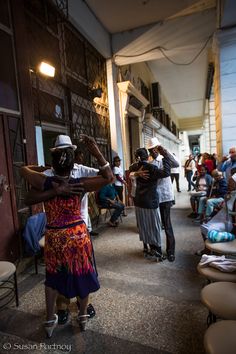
68,248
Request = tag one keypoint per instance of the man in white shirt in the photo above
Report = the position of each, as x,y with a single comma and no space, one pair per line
166,195
78,171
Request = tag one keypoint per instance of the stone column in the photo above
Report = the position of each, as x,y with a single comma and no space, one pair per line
114,110
212,124
225,89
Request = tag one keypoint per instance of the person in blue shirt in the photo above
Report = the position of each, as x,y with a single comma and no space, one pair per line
108,198
228,164
216,198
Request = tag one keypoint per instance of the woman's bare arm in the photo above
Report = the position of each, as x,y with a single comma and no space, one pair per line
91,184
64,188
34,178
91,145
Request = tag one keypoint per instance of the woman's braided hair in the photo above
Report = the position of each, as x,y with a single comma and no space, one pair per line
63,160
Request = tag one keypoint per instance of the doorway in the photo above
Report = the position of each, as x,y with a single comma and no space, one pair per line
134,137
45,139
9,245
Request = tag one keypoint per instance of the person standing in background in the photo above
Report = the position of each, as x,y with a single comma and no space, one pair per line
119,179
175,175
189,167
215,160
208,162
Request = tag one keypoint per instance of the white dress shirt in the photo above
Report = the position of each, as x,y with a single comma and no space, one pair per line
164,185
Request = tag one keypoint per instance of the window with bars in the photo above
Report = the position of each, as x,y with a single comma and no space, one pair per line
67,99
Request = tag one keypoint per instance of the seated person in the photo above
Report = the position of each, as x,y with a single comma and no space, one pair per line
215,199
203,187
232,181
218,220
108,198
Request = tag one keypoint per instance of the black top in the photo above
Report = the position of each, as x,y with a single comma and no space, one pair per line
146,195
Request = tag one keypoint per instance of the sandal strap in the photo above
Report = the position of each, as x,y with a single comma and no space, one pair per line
51,321
83,316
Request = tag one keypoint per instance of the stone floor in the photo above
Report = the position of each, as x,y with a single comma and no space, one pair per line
142,307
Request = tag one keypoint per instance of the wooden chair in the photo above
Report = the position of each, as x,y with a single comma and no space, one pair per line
8,287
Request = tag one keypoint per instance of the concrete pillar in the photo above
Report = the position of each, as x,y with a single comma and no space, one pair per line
225,89
212,123
205,137
114,110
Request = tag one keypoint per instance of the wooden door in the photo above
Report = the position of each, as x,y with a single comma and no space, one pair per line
9,241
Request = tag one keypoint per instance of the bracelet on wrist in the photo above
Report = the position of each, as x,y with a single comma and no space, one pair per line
104,166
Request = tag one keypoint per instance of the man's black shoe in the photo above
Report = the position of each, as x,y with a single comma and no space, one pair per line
192,215
94,233
171,257
63,316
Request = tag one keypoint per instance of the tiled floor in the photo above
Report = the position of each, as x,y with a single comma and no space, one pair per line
142,307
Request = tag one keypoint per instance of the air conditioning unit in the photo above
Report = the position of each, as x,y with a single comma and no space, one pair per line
156,95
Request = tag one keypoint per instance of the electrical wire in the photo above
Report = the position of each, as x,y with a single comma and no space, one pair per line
162,50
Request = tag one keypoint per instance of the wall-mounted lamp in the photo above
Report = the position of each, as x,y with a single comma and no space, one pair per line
46,69
96,93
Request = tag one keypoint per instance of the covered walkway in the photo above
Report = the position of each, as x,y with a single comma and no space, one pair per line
142,307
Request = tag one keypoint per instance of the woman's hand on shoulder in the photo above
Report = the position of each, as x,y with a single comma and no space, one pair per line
142,173
67,189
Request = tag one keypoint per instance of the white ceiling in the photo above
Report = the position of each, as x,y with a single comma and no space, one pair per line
181,27
123,15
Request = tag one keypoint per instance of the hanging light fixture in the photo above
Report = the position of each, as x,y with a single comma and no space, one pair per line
46,69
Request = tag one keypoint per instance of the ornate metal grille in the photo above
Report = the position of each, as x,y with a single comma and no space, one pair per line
68,99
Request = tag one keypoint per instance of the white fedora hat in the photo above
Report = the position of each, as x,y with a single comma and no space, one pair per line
62,142
153,142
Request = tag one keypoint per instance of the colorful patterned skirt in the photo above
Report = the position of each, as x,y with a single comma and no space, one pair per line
70,265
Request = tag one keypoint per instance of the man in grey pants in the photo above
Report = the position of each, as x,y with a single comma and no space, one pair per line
166,195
